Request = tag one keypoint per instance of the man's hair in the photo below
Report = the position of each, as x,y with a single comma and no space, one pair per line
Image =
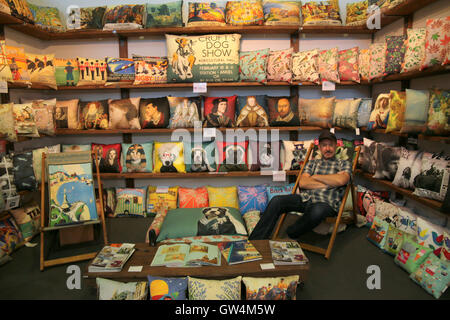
216,104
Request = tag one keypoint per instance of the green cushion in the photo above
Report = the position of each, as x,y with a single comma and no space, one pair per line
411,255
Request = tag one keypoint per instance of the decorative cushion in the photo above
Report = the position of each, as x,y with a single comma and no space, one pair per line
156,199
348,65
28,218
411,255
150,70
364,111
76,147
321,13
432,275
328,65
364,64
215,238
167,288
24,178
169,157
202,289
386,211
415,49
164,14
66,114
283,111
445,253
47,18
434,176
273,191
5,70
10,235
252,198
435,39
438,112
416,112
345,150
253,65
316,112
281,12
21,10
377,232
130,202
264,155
279,65
119,70
293,154
397,108
395,52
409,167
184,111
115,290
206,14
67,72
367,157
7,125
223,197
193,197
219,111
154,113
405,220
109,155
91,18
377,60
127,16
380,113
191,58
394,240
137,157
17,61
41,69
345,113
280,288
4,7
387,161
232,156
305,66
109,201
251,219
430,235
244,13
37,159
200,156
25,120
252,111
94,114
356,13
92,71
366,201
124,113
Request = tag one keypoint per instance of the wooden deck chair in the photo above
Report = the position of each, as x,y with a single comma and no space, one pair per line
336,220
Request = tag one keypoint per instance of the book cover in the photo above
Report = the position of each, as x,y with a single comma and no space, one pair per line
286,253
239,252
112,258
185,255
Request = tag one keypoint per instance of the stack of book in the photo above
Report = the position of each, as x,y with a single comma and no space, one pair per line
287,253
112,258
239,252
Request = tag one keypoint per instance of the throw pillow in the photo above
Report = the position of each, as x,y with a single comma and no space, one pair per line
193,197
137,157
377,60
279,65
387,161
108,156
24,178
28,218
115,290
10,235
91,18
149,70
395,52
124,17
405,220
279,288
43,112
415,49
293,154
356,13
66,114
164,14
42,69
92,71
206,14
169,157
37,160
397,107
377,232
253,65
47,18
305,67
119,70
281,12
348,65
283,111
223,197
345,113
432,275
94,114
21,10
244,13
316,112
366,201
273,191
380,113
184,111
130,202
445,253
416,112
154,112
264,155
435,39
434,176
321,13
17,61
364,111
167,288
25,120
430,235
5,70
394,240
438,112
252,111
409,167
411,255
252,198
364,64
232,156
7,125
328,65
161,197
251,219
200,156
202,289
219,111
367,157
124,114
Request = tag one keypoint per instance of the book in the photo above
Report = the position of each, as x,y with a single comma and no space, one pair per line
239,251
187,255
112,258
287,253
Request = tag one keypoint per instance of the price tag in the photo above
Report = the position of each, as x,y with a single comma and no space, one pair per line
332,130
328,86
358,132
135,269
279,175
3,87
209,132
266,266
12,202
200,87
162,189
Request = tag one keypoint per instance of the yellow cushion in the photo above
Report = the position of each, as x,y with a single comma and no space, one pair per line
155,200
223,197
169,157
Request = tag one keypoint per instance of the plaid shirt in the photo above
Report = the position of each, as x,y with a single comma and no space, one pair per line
332,196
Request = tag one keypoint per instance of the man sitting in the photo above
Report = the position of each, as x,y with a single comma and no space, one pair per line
323,185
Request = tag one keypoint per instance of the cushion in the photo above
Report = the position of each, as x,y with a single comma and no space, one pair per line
66,114
252,198
41,69
415,49
387,161
169,157
25,120
395,52
188,222
47,18
10,235
293,154
377,60
109,155
434,176
364,111
167,288
305,66
223,197
244,13
37,159
445,252
432,275
253,65
124,114
17,61
321,13
394,240
150,70
76,147
7,125
430,235
405,220
279,65
206,14
28,218
367,157
409,167
43,112
411,255
252,111
154,112
164,14
281,12
193,197
438,112
345,113
4,7
202,289
24,178
328,65
397,108
364,64
137,157
279,288
94,114
366,201
200,156
92,71
119,70
348,65
157,198
127,16
5,70
283,111
316,112
377,232
211,58
130,202
416,112
380,113
232,156
356,13
184,111
91,17
21,10
109,201
273,191
219,111
435,39
264,155
251,219
115,290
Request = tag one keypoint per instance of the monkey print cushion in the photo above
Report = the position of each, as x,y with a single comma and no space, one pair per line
169,157
184,111
41,69
92,71
124,113
109,156
94,115
154,113
279,65
137,157
219,111
200,156
232,156
119,70
283,111
150,70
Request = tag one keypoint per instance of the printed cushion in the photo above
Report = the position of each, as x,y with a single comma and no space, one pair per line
10,235
345,149
416,112
219,111
433,179
89,18
405,220
409,167
92,71
24,178
367,157
158,198
377,232
364,64
281,12
124,113
41,69
252,198
43,113
430,236
7,125
438,112
305,67
445,253
356,13
251,219
232,156
25,120
283,111
348,65
150,70
279,65
193,197
244,13
184,111
264,155
435,39
20,9
415,49
137,157
411,255
395,52
377,60
47,18
397,107
252,111
124,17
109,157
109,201
253,64
316,112
273,191
76,147
223,197
5,70
345,113
432,275
202,289
200,156
364,111
169,157
66,114
328,65
115,290
167,288
154,113
380,113
94,114
164,14
4,7
293,154
394,240
387,161
366,201
216,238
67,72
28,218
119,70
206,14
280,288
321,13
37,159
17,61
130,202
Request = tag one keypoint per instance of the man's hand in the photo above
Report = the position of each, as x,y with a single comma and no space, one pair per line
308,182
333,180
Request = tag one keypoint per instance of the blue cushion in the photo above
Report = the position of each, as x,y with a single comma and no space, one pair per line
167,288
273,191
252,198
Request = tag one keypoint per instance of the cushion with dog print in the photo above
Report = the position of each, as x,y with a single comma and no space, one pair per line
169,157
154,113
264,155
200,156
232,156
137,157
293,154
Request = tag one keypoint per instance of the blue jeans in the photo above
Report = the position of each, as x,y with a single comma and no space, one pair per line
313,215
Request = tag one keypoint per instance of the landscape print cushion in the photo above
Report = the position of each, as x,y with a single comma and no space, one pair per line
438,112
158,198
164,14
279,288
20,9
109,156
42,69
184,111
219,111
432,275
223,197
47,18
283,111
25,120
130,202
200,156
154,112
193,197
415,49
380,113
252,198
67,72
94,114
169,157
202,289
377,60
397,107
430,235
395,52
92,71
244,13
279,65
232,156
161,288
345,113
281,12
321,13
252,111
293,154
66,114
416,112
91,17
411,255
409,167
115,290
137,157
206,14
435,49
305,67
316,112
17,61
127,16
124,113
348,65
328,65
253,64
191,58
150,70
119,70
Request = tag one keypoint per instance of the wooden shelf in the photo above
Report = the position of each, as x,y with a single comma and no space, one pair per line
408,7
433,71
189,175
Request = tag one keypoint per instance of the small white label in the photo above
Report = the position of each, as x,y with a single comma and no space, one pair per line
162,189
200,87
197,124
332,130
3,87
328,86
358,132
279,175
135,269
209,132
12,202
266,266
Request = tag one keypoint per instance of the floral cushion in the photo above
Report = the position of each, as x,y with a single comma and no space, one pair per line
415,49
348,65
409,167
223,197
432,275
430,235
411,255
252,198
253,64
438,112
202,289
279,65
157,199
356,13
244,13
206,14
279,288
119,119
435,39
7,124
169,157
397,107
364,111
150,70
305,67
115,290
395,52
321,13
283,111
364,64
416,113
328,65
193,197
434,176
316,112
345,113
164,14
380,113
377,60
130,202
281,12
161,288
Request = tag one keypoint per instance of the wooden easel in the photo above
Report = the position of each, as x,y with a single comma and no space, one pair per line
44,221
